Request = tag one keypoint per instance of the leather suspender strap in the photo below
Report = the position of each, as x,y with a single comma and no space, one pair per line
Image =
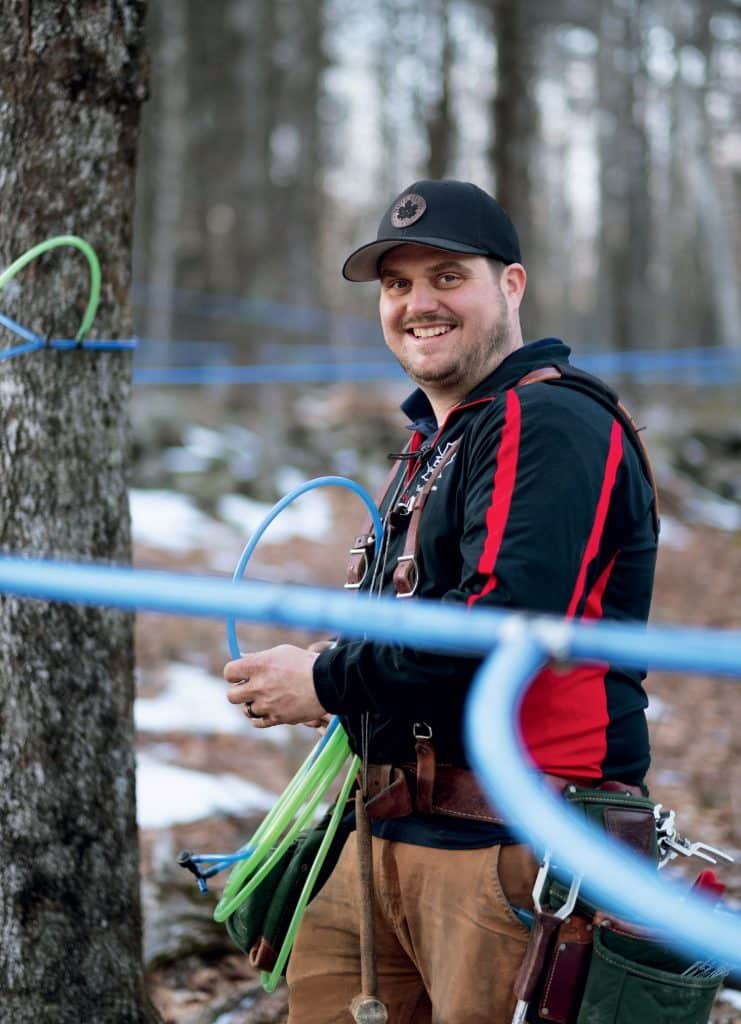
406,574
583,382
536,376
361,553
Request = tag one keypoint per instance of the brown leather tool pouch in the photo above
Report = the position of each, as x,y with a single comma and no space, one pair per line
566,976
389,795
621,811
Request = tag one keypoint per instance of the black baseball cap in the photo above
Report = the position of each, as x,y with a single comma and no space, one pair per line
453,215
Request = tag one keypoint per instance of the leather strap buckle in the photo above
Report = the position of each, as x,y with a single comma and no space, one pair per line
360,559
406,576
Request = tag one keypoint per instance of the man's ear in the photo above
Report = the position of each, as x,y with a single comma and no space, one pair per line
512,283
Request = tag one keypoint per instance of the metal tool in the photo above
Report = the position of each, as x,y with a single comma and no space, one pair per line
547,923
672,843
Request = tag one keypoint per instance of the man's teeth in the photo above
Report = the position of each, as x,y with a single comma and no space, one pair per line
430,332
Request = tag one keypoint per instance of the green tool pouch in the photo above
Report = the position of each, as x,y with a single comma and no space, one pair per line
634,980
628,817
619,813
609,972
260,924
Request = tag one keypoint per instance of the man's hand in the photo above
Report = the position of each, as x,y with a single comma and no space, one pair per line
275,687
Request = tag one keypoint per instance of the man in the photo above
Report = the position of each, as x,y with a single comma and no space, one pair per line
537,497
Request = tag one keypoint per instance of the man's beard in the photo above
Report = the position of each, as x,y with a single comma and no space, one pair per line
474,371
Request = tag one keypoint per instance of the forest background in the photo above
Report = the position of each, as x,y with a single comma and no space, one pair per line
275,133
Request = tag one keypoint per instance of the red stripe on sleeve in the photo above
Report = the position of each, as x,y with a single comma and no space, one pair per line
614,455
593,603
505,475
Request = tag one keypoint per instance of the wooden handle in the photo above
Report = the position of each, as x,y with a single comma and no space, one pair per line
369,980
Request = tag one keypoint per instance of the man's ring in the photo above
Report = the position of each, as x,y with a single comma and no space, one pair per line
250,712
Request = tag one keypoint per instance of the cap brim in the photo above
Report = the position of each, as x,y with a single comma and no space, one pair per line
362,265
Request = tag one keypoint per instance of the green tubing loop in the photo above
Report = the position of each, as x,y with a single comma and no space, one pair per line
280,816
270,980
53,243
265,851
301,822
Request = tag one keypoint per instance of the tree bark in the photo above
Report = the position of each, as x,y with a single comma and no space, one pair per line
624,242
516,123
71,85
167,144
440,123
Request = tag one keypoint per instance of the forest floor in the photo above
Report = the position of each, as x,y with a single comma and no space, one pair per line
194,975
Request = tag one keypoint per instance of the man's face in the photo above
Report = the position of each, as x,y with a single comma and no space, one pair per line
444,317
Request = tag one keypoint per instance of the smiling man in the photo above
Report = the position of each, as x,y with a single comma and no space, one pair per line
449,322
524,486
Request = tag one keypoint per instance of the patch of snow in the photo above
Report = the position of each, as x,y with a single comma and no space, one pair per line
288,477
731,996
183,460
171,522
236,1016
195,701
167,795
244,466
710,510
192,701
673,534
669,777
657,709
205,443
309,516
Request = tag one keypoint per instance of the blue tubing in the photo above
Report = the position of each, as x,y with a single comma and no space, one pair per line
220,862
424,624
494,696
310,485
33,342
21,331
613,876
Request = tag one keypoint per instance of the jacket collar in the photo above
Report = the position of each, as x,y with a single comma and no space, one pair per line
530,357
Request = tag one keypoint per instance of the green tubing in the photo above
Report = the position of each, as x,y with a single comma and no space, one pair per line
293,811
270,980
53,243
283,812
227,905
276,812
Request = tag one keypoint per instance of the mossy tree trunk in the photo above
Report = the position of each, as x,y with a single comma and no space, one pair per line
71,85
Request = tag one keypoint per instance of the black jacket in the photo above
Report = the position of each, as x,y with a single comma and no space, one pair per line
545,507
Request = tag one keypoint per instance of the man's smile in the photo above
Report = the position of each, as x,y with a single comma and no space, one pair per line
430,330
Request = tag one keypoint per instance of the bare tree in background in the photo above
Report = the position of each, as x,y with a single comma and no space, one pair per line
624,240
162,204
440,123
71,85
516,121
716,258
297,152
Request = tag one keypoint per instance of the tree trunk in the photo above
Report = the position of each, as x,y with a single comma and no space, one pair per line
624,242
167,141
717,256
516,123
71,82
440,123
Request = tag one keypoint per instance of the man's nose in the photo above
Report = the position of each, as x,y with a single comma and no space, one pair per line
421,299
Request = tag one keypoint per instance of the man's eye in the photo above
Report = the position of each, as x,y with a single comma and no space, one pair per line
396,285
449,279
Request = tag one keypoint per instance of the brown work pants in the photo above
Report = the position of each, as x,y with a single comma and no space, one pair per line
448,943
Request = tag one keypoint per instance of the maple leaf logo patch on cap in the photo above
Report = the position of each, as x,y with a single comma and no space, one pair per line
407,210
